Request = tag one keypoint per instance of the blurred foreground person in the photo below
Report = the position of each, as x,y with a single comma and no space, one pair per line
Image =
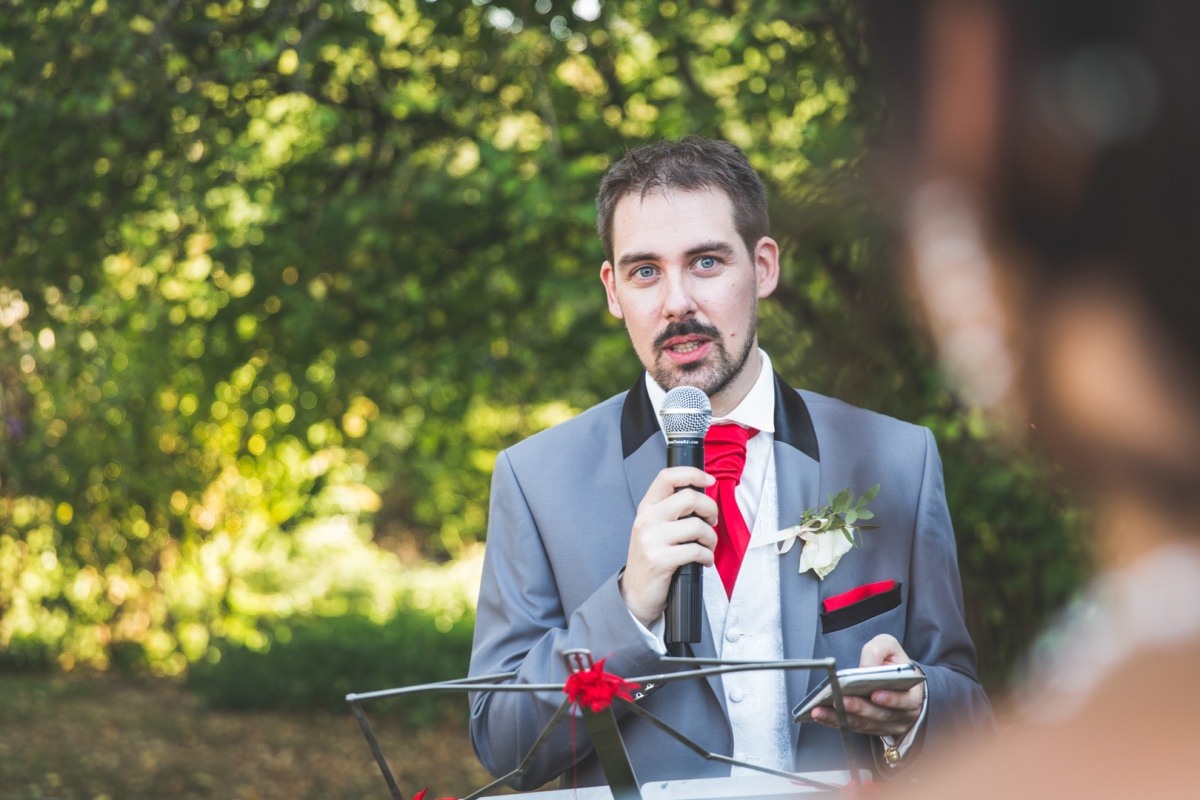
1053,184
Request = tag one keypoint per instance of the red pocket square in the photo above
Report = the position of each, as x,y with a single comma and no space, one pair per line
857,595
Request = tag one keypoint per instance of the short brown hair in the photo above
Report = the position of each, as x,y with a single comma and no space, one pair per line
692,163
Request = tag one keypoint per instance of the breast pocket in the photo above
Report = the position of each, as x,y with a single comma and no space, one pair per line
860,605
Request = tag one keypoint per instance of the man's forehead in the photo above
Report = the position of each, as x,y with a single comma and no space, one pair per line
641,219
637,198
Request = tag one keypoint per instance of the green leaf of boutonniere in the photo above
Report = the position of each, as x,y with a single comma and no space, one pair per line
842,513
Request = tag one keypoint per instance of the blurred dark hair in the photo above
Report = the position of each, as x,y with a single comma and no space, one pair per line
692,163
1098,146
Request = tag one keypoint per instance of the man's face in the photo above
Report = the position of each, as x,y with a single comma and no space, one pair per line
688,290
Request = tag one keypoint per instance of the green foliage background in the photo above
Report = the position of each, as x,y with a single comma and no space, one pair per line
279,279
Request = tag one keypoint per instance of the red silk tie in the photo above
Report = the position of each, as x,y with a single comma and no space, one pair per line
724,459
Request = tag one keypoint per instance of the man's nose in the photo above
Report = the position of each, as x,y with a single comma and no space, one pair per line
678,300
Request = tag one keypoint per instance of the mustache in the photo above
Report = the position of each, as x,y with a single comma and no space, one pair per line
685,327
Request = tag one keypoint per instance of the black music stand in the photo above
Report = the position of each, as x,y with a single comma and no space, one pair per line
602,725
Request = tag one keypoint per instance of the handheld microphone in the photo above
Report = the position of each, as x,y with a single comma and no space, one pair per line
686,413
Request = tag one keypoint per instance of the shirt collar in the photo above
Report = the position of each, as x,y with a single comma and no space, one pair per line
757,409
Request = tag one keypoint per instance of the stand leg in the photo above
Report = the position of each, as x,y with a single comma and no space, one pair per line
606,738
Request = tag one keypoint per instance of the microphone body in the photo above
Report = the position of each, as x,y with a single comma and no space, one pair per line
686,413
685,600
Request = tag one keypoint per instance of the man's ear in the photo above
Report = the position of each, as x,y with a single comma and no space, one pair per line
766,266
609,277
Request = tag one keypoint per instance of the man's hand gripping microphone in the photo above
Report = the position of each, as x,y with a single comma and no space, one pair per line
686,414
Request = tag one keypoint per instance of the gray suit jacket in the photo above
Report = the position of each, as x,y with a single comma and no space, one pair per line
562,507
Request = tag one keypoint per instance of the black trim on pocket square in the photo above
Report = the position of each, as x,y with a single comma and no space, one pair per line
863,610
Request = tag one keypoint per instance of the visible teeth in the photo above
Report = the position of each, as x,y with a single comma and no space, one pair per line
686,347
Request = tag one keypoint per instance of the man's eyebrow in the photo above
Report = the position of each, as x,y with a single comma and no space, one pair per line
634,258
718,247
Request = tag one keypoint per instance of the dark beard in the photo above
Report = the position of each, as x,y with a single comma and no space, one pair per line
720,367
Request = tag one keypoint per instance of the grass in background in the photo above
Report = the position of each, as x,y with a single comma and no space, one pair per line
324,659
259,712
88,737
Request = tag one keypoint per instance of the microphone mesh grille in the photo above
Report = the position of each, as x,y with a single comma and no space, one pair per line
686,412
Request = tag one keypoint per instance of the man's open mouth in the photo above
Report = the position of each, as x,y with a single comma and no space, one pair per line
686,346
687,350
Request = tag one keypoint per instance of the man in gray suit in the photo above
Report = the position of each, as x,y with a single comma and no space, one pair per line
587,525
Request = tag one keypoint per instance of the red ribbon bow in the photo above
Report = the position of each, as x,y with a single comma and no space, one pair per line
595,688
421,795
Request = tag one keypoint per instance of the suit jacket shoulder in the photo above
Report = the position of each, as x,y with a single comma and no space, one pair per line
842,419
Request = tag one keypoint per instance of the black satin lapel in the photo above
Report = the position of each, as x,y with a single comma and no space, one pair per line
642,442
639,421
793,423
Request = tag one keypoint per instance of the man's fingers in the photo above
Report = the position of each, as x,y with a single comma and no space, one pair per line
681,534
693,553
687,503
864,716
883,649
694,529
674,495
906,701
672,479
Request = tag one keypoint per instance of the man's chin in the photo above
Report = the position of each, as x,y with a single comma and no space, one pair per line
670,375
711,374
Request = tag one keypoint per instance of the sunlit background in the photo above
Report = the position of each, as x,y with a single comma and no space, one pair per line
279,279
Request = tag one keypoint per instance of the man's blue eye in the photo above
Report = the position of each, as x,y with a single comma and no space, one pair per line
644,272
707,262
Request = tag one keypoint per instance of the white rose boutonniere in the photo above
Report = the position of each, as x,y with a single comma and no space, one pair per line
828,531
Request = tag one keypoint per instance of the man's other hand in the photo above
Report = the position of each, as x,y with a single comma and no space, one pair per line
885,713
666,536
